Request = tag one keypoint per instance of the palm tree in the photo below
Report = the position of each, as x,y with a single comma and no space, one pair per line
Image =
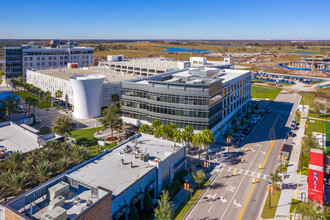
46,154
42,170
28,101
15,159
64,148
187,135
11,105
48,97
34,103
154,125
197,140
27,164
13,182
208,140
62,164
78,154
177,135
169,131
160,131
275,177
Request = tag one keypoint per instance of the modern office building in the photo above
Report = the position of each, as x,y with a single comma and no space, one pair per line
153,66
106,186
204,98
87,89
18,59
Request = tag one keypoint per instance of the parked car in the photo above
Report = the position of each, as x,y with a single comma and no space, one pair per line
268,109
262,112
241,137
254,121
236,144
247,130
20,109
258,117
293,126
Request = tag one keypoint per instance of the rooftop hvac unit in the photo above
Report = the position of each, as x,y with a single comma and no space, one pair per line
58,213
57,202
145,157
60,189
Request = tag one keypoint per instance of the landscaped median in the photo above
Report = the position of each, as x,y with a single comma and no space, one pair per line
183,209
25,94
271,203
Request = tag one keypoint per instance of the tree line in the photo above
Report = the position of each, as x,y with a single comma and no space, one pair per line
200,140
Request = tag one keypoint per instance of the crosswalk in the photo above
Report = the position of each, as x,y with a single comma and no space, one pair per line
246,172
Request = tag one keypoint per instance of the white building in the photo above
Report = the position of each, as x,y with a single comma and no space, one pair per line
34,56
153,66
59,79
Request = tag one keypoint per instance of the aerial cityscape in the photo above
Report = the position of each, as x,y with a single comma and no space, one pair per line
176,110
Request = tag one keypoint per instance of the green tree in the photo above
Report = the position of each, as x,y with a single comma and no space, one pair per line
11,105
187,135
165,207
48,97
145,129
160,131
115,98
15,159
197,141
133,214
78,154
42,170
147,203
34,103
58,95
275,177
12,183
177,137
111,119
199,177
208,140
154,125
62,124
169,131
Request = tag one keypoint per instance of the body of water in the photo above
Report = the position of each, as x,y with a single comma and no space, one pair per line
303,53
184,50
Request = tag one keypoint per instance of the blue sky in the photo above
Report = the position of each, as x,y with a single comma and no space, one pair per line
169,19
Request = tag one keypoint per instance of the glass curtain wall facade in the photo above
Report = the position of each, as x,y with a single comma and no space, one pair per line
13,57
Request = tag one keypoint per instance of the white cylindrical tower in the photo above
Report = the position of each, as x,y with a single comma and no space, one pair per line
87,92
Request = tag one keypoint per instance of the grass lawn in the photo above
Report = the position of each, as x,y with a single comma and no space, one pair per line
269,212
24,95
45,130
308,98
264,92
294,205
321,116
86,137
314,126
183,209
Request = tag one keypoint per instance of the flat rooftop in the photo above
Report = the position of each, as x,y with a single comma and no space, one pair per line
153,63
66,73
17,138
109,172
201,76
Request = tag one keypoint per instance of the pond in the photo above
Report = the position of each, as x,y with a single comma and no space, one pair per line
184,50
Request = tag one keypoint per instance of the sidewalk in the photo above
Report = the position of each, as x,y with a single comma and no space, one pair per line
292,181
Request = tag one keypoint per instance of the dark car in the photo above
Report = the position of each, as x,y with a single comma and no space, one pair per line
268,109
247,130
236,144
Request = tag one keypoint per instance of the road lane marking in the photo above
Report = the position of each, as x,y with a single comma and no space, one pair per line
223,200
272,143
238,205
210,208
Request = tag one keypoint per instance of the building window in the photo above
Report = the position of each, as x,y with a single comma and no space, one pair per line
43,63
38,58
42,58
54,58
30,64
31,58
38,63
50,63
54,63
25,59
49,58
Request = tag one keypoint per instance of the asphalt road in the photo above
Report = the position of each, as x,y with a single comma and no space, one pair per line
236,196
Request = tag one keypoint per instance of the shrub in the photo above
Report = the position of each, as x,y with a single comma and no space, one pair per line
111,138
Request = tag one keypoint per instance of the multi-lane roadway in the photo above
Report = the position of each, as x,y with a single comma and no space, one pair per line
239,189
